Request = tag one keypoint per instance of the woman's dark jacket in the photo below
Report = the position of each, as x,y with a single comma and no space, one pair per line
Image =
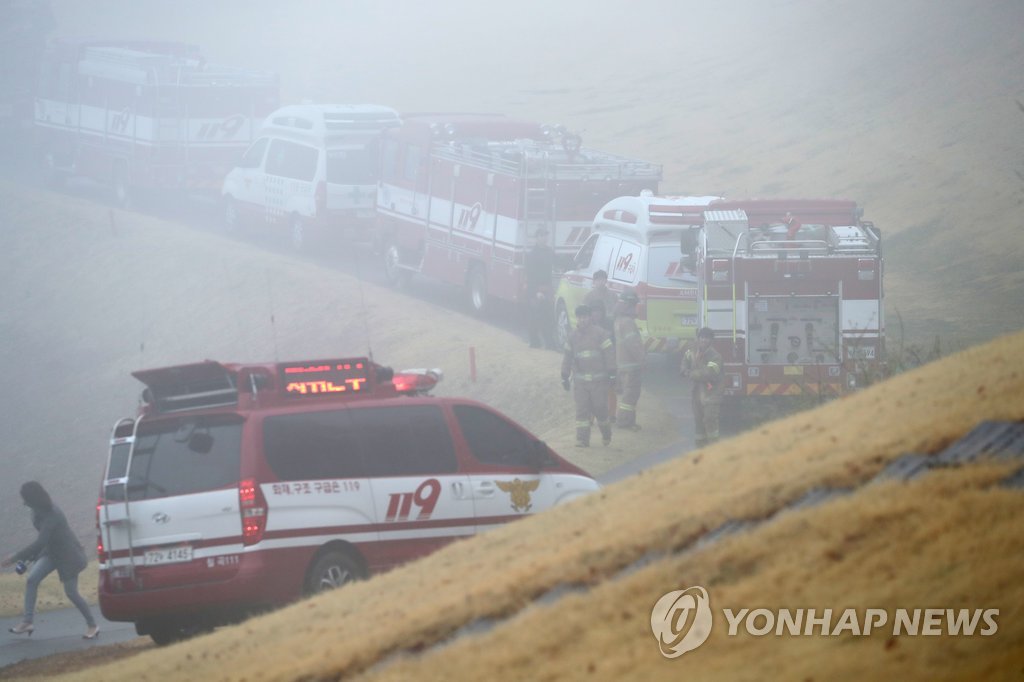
55,541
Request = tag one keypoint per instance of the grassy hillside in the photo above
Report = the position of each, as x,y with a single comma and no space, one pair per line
950,539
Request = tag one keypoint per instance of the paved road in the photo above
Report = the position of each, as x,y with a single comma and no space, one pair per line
57,632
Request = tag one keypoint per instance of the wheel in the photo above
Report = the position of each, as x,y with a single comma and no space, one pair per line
332,570
563,326
297,232
231,220
476,290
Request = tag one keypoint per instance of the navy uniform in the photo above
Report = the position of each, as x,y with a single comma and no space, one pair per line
589,358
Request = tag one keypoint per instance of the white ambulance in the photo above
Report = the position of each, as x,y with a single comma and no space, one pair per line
242,487
312,166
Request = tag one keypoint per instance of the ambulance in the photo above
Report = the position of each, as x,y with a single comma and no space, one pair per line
242,487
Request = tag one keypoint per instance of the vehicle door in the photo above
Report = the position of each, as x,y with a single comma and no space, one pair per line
245,182
508,479
671,296
421,498
351,172
182,501
289,180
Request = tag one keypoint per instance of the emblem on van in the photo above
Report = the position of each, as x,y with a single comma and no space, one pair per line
160,517
519,492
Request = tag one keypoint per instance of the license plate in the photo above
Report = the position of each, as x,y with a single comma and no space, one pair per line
170,555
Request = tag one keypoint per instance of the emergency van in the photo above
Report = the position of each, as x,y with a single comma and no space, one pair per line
311,166
241,487
636,241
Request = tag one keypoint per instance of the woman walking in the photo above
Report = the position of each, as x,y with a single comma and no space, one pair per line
55,548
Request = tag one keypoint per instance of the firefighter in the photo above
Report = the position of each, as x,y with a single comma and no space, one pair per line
590,360
704,368
602,302
539,267
630,353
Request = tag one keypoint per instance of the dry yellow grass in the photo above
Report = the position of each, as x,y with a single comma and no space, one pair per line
945,541
51,593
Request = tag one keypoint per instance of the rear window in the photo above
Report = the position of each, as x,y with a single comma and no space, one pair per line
352,166
665,267
187,455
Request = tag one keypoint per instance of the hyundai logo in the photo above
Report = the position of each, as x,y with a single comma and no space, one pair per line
160,517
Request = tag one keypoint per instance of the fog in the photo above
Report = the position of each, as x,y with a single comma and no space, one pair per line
910,108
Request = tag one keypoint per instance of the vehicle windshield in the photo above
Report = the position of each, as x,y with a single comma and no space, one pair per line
665,267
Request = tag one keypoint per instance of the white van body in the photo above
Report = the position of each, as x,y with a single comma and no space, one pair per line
311,166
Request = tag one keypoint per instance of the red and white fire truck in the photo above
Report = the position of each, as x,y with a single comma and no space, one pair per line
793,291
145,115
791,288
462,196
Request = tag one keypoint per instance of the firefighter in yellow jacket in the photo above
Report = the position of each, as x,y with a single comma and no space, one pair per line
704,368
590,360
630,353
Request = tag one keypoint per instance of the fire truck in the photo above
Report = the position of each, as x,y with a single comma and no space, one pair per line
462,196
145,115
793,291
791,288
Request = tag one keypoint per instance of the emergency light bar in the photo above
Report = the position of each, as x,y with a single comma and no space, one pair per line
416,381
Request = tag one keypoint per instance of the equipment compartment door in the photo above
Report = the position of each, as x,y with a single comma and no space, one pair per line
790,330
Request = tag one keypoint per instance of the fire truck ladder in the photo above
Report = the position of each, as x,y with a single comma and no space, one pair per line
123,433
538,202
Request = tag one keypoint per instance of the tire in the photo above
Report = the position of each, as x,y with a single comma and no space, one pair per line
563,327
476,290
164,632
297,233
332,570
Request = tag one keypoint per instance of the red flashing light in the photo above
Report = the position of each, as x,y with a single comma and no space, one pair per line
100,552
253,507
415,382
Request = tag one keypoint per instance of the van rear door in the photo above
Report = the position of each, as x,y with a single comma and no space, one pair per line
351,172
670,295
182,506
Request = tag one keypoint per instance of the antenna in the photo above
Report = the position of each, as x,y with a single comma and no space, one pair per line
273,328
366,314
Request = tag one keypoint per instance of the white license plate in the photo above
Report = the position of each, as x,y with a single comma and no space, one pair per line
170,555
